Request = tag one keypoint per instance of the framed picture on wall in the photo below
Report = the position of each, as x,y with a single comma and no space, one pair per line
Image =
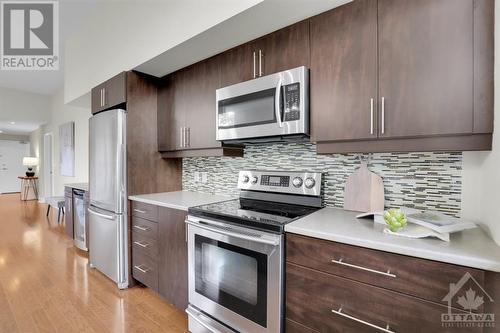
67,149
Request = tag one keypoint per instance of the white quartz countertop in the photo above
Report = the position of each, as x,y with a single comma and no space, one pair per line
78,186
471,248
178,200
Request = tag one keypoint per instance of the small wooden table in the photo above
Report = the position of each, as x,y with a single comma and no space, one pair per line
26,184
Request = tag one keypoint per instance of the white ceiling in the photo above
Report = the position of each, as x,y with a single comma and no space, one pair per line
259,20
71,14
18,127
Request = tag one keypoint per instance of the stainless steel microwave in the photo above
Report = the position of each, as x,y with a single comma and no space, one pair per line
275,105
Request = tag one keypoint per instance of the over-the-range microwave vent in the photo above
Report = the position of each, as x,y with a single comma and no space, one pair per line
299,138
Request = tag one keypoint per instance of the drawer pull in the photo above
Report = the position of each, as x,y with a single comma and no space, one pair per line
139,268
341,262
141,228
141,244
140,211
340,313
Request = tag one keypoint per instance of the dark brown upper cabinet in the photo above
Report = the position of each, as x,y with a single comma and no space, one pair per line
278,51
343,76
425,67
430,78
186,112
109,94
284,49
238,64
200,113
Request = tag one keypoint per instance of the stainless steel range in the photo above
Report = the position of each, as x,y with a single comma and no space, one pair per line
236,252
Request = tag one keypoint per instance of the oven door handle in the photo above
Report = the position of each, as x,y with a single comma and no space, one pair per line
277,104
273,242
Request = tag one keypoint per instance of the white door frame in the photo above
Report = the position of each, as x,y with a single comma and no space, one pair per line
48,165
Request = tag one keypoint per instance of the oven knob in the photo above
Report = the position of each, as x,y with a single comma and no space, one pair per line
309,182
297,182
245,179
255,180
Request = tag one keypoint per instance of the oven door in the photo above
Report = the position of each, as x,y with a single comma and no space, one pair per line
235,275
272,105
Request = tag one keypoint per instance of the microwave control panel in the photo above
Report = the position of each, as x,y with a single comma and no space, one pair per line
292,102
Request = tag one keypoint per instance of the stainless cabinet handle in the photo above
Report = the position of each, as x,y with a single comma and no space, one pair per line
102,103
254,65
340,313
182,137
383,115
341,262
103,96
371,116
141,244
141,228
260,63
139,268
139,211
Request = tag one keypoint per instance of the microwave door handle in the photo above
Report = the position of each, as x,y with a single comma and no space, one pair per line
277,99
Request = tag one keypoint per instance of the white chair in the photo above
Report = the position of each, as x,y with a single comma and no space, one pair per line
56,202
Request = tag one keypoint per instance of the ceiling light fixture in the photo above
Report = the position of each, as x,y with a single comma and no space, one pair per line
12,122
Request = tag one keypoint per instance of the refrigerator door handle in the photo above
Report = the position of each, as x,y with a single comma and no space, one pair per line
104,216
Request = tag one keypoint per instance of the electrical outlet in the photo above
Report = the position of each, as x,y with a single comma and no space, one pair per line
197,177
204,177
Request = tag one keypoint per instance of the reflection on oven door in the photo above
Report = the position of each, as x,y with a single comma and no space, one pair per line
231,272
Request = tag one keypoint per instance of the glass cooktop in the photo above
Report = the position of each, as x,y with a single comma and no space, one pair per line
266,215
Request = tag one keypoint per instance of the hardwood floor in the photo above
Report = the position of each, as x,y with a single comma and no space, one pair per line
46,284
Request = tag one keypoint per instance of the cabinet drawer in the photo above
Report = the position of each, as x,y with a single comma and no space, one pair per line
144,245
417,277
145,270
293,327
329,303
144,227
145,211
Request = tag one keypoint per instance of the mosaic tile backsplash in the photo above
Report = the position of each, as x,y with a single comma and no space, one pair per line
420,180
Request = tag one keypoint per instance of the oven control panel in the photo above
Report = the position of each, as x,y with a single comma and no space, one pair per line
305,183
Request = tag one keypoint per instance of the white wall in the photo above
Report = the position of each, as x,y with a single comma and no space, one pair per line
481,170
23,107
60,114
120,35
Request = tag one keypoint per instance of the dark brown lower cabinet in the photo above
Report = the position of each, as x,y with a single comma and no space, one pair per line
173,257
374,291
159,251
329,303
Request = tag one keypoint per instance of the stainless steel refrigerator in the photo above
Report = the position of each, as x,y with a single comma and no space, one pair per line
108,227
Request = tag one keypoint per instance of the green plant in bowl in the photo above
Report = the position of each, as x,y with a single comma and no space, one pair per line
395,219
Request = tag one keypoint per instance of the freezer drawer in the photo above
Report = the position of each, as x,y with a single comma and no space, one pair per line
107,245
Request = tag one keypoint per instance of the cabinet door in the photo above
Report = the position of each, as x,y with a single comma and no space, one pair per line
204,79
238,64
426,67
343,74
284,49
170,113
173,259
116,90
96,95
68,216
